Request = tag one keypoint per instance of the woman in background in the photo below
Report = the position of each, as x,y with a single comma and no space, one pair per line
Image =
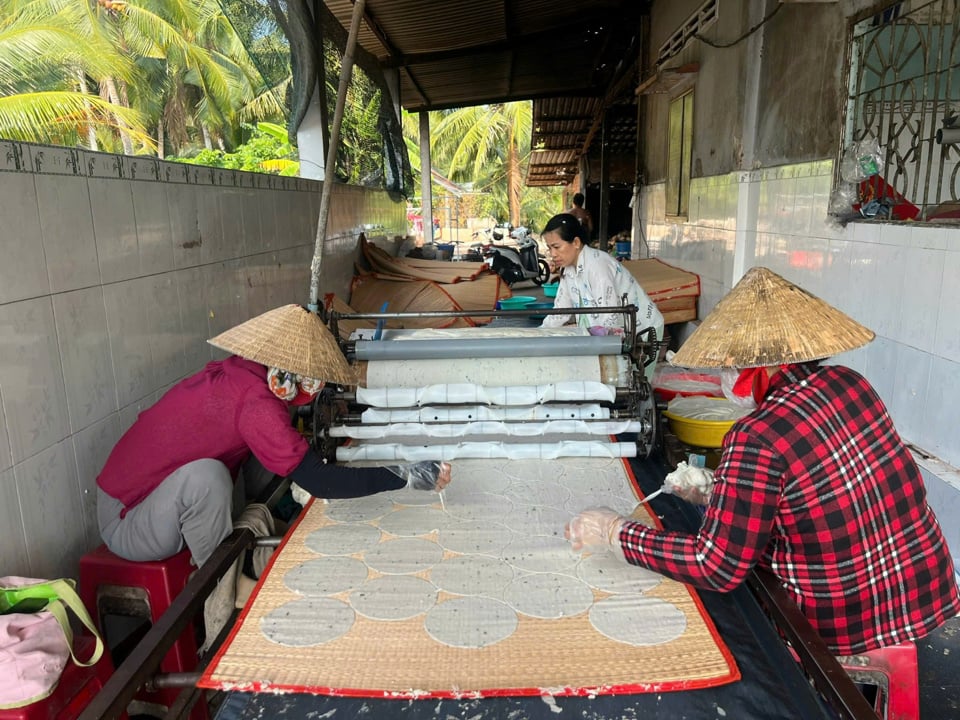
590,278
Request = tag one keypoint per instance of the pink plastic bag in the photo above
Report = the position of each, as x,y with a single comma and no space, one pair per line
35,646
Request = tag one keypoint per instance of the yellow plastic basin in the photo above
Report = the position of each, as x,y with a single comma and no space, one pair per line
699,432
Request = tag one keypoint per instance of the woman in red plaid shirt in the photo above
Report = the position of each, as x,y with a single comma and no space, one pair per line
814,484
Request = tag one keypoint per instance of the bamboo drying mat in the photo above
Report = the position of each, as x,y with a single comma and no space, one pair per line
399,659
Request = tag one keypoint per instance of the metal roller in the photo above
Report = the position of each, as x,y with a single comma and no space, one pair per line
454,349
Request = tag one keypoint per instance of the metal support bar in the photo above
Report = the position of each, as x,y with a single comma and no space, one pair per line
142,663
826,673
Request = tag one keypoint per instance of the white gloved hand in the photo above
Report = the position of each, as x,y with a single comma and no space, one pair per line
693,484
595,529
425,475
300,496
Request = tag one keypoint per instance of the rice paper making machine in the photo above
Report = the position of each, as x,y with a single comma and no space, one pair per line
444,393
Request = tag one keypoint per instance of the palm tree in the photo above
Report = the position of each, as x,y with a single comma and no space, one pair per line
47,52
488,148
483,141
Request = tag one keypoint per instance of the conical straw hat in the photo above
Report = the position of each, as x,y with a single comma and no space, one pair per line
766,320
290,338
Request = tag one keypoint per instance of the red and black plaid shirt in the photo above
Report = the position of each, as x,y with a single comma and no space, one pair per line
817,485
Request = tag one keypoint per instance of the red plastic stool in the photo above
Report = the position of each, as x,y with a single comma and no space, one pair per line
893,670
73,693
113,587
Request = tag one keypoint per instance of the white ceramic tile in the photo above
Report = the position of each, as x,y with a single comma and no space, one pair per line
114,225
944,499
910,383
14,157
184,227
231,218
250,222
192,303
166,336
129,413
881,367
226,295
13,549
947,341
174,172
103,165
154,240
922,283
943,411
128,325
885,289
34,401
49,498
55,160
212,246
143,168
6,454
23,272
257,276
266,217
91,447
933,238
858,302
66,223
87,365
803,203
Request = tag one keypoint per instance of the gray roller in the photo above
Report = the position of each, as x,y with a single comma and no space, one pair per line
453,349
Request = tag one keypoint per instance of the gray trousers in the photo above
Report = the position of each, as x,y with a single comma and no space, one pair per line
191,507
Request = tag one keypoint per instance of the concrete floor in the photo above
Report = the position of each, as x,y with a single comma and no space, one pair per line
938,661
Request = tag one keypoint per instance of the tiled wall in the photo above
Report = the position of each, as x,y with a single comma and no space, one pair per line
113,273
900,280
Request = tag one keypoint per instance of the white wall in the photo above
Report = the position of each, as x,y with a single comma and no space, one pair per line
900,280
114,271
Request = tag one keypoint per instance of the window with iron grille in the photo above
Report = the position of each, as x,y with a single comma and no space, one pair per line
905,96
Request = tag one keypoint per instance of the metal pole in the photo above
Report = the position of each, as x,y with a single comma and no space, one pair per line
605,182
331,163
426,172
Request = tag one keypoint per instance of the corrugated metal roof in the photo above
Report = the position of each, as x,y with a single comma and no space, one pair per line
563,54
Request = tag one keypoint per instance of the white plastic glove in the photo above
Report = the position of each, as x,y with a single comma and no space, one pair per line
300,496
425,475
595,529
693,484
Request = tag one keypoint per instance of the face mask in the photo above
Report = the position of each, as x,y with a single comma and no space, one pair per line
728,378
292,387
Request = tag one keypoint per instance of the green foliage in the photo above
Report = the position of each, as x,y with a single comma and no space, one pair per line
267,151
486,148
360,154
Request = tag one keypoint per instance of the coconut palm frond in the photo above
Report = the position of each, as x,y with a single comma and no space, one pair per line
45,117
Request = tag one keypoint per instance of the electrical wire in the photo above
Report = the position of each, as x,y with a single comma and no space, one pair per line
743,37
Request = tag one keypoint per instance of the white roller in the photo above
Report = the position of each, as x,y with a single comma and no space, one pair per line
482,371
512,451
465,413
465,393
484,427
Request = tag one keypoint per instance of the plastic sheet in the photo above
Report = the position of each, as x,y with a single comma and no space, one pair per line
548,450
472,394
485,427
462,413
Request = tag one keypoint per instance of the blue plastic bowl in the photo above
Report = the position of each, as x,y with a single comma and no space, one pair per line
517,302
534,307
551,289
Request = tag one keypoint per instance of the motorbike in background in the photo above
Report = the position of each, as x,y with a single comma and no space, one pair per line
520,260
